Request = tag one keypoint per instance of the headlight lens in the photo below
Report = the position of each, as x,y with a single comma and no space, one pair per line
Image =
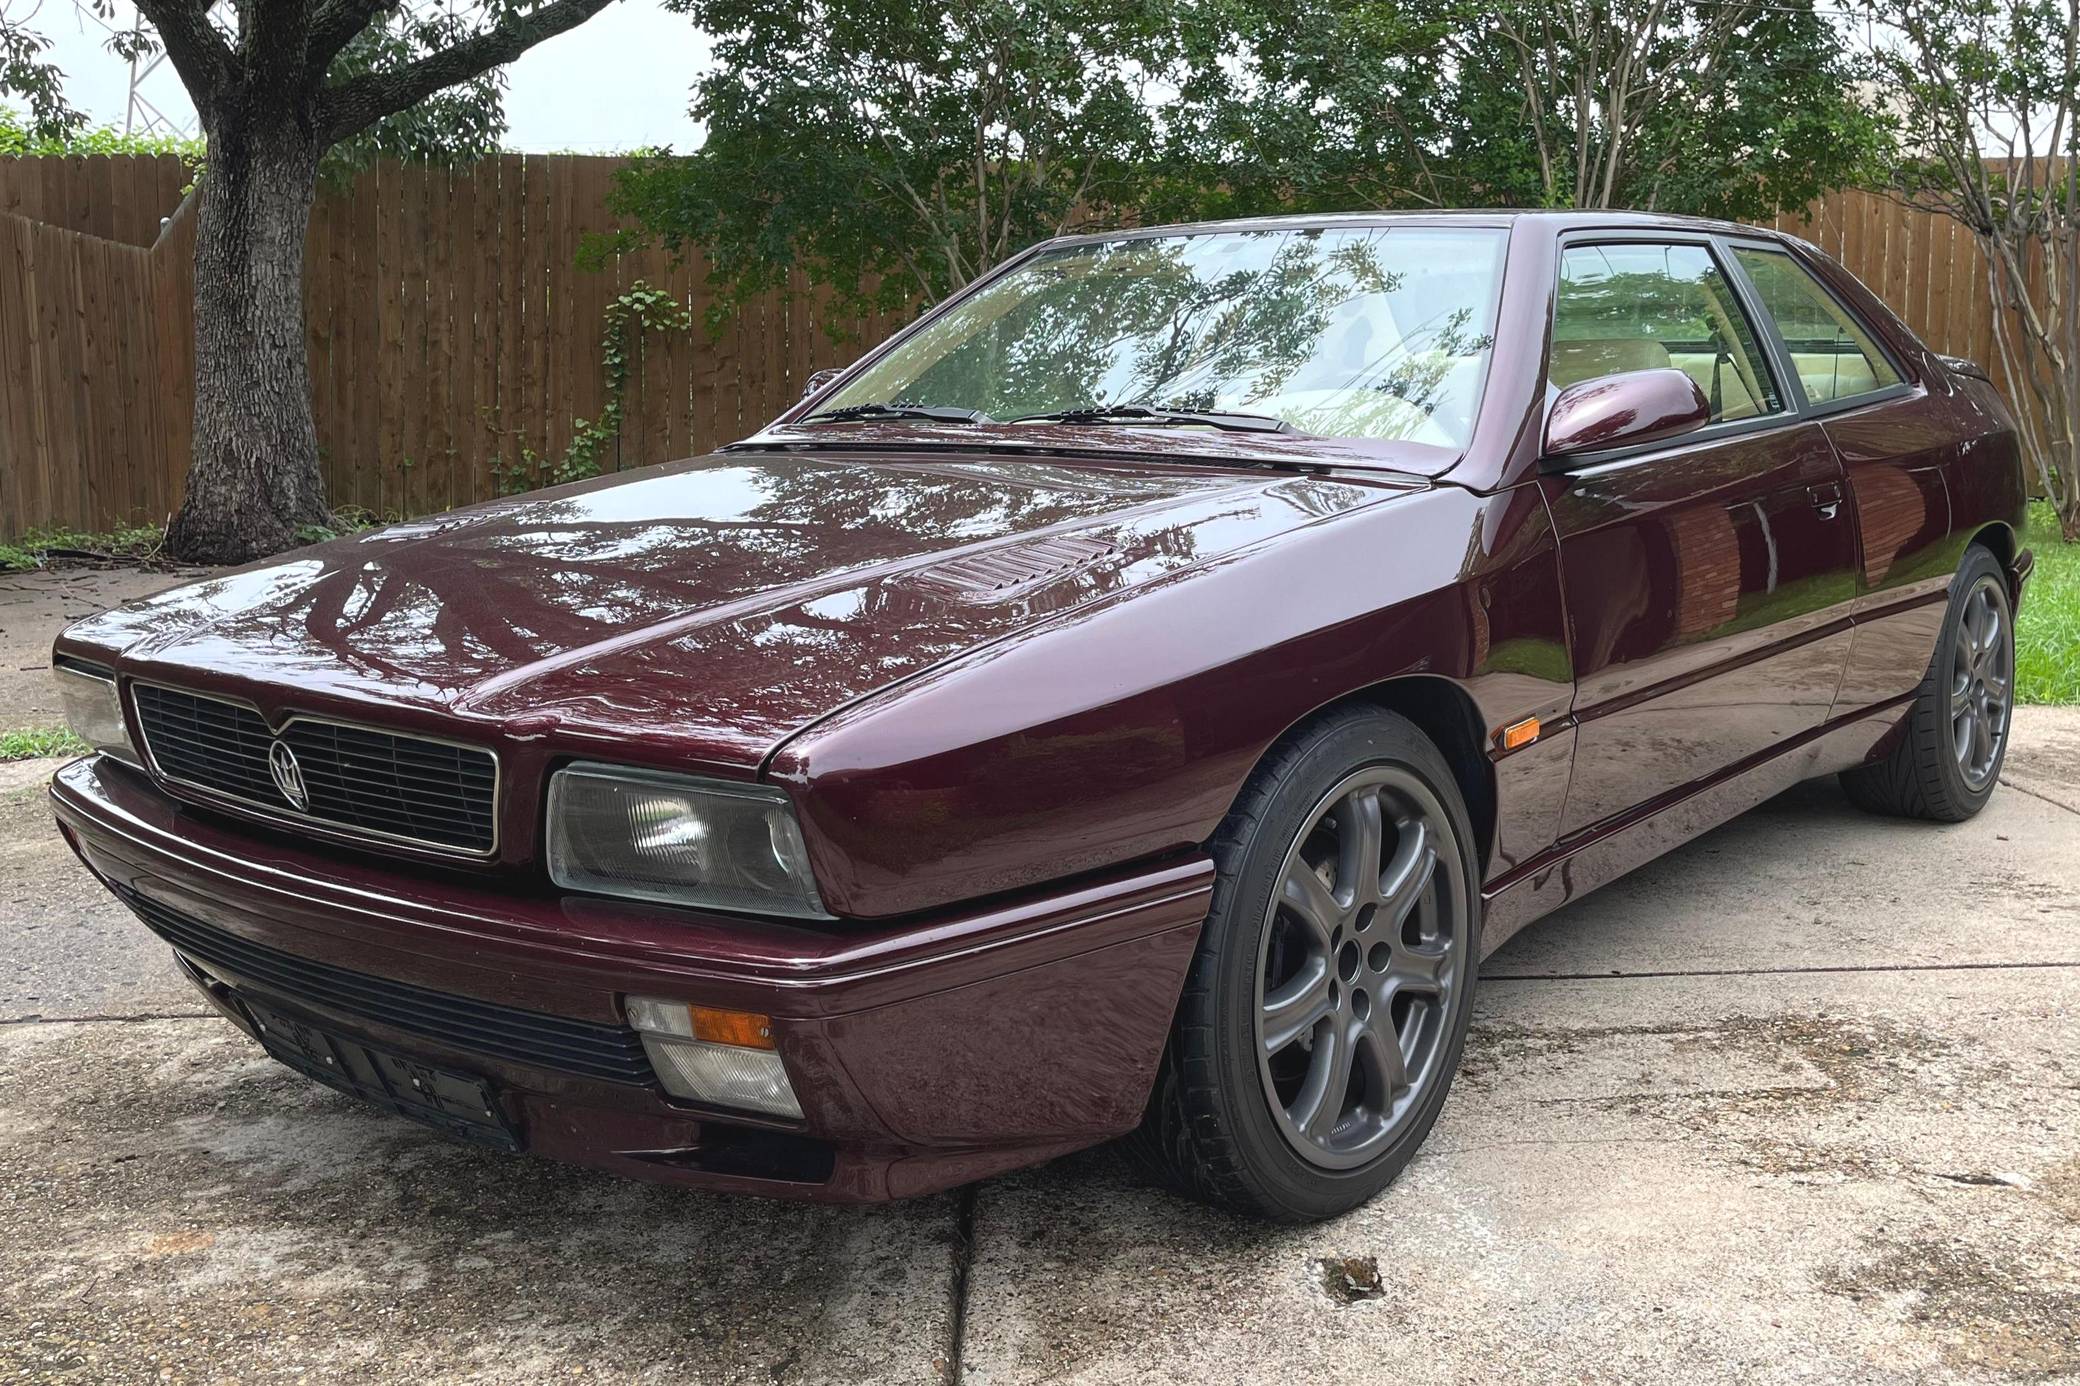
92,708
653,836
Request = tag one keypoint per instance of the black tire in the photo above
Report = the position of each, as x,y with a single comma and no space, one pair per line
1217,1125
1927,774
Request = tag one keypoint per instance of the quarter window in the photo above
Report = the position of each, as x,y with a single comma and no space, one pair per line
1833,353
1638,307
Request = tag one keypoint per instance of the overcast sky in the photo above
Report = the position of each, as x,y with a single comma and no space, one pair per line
617,82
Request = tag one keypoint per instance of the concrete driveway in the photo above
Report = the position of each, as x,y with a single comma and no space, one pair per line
1800,1101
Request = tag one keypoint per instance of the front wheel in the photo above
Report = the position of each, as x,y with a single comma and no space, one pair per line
1324,1013
1949,759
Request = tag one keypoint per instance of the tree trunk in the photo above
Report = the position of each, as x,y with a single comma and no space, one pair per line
253,482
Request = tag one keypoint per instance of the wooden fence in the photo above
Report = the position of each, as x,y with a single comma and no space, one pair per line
450,328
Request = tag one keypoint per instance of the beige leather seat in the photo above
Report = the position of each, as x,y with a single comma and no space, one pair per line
1588,358
1835,376
1735,400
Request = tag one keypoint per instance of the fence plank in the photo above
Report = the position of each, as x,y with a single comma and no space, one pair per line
16,465
481,332
512,207
390,292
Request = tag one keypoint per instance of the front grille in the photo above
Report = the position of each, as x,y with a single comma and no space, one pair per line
370,783
581,1047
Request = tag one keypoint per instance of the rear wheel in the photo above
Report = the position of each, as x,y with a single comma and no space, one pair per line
1325,1010
1946,765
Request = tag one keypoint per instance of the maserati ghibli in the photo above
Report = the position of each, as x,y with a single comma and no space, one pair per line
1129,703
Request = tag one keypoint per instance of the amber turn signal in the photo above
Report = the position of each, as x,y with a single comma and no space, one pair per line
709,1024
1520,734
745,1029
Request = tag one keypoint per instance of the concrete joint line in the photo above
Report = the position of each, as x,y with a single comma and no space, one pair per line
2040,798
1561,1140
963,1263
1773,971
108,1019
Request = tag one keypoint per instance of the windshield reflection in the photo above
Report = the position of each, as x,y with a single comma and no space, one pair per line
1372,332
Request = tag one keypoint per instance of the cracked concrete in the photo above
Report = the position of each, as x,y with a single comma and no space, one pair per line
1799,1102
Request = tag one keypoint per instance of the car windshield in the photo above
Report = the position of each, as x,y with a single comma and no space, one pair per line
1362,332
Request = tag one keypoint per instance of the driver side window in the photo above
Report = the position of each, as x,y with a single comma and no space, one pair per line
1636,307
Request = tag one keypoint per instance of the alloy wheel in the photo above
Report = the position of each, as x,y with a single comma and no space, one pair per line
1363,962
1982,673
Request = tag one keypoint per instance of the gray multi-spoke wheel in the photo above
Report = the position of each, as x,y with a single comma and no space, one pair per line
1982,670
1362,948
1324,1012
1947,757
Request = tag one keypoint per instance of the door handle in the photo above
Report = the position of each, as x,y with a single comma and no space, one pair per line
1826,498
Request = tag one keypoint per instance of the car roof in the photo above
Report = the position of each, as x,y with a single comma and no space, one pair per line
1554,221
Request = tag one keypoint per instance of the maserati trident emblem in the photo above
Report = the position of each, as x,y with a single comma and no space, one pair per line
288,776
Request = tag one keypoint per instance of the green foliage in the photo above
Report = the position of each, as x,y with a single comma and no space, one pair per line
895,151
27,72
34,743
353,519
454,124
639,307
1979,77
2047,629
892,152
41,547
20,136
1734,109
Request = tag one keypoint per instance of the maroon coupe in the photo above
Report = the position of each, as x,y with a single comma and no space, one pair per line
1131,701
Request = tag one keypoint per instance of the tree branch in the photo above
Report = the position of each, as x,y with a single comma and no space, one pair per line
334,26
352,106
194,47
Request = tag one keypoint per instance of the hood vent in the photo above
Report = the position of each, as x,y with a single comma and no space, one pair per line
1004,573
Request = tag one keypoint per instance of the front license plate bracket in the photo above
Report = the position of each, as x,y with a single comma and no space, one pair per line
459,1104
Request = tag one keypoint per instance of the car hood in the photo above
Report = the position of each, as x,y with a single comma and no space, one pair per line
712,607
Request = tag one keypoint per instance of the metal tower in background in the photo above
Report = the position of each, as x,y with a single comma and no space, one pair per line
143,115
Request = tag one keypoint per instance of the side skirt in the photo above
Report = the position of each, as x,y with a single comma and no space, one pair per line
1574,868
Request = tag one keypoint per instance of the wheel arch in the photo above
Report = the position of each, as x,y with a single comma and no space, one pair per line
1445,713
1998,537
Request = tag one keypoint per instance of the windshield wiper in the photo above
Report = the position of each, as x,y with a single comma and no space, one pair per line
1143,414
937,413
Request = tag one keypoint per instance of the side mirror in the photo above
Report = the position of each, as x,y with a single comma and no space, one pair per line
818,379
1615,411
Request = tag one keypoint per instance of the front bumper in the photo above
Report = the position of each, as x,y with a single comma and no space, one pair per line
925,1054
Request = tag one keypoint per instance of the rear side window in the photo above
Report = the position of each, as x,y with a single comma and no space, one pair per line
1833,352
1637,307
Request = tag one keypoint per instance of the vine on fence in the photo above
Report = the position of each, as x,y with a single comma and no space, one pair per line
647,310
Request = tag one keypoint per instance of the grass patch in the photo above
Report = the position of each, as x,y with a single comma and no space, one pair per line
2047,633
39,548
34,743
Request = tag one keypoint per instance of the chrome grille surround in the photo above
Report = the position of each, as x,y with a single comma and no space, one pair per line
442,796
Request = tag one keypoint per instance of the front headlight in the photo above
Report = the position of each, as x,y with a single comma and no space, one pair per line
93,709
654,836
